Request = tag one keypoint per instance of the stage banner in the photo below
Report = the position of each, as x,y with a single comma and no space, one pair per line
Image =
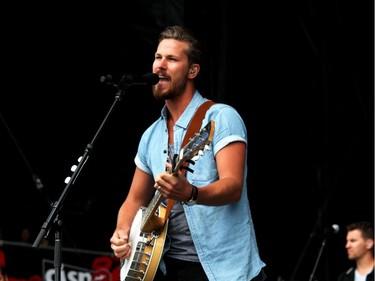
24,263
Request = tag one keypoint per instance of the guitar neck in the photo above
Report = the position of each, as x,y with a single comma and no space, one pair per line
150,220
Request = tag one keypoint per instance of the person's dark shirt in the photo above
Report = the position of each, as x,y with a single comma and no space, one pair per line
349,275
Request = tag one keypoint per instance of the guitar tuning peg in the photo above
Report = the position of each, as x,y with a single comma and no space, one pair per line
207,147
67,179
181,155
201,152
79,159
195,158
73,168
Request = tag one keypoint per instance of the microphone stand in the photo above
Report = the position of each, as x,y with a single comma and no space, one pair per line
318,258
53,217
311,236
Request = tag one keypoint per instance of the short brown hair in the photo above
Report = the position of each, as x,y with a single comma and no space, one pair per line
194,52
365,227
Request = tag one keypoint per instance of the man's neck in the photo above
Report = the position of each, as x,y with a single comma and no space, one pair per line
366,264
177,106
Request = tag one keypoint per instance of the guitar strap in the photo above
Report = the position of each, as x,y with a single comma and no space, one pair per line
193,128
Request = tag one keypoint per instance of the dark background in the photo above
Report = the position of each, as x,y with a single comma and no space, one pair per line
299,72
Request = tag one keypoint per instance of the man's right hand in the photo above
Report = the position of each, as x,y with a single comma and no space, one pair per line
120,245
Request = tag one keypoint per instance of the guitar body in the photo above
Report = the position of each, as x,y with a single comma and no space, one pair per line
147,250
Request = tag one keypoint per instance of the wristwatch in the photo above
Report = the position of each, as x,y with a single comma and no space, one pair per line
193,197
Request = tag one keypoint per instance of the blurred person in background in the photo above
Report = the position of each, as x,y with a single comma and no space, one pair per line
360,249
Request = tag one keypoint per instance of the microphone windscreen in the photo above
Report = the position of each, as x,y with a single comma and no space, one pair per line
151,78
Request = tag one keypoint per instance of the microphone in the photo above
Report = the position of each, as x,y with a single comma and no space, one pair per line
136,79
333,229
132,79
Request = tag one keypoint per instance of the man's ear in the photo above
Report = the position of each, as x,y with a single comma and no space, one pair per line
369,243
194,70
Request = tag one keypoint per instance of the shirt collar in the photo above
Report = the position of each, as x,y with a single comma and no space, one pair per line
188,113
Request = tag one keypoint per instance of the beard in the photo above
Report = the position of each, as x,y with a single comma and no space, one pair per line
175,90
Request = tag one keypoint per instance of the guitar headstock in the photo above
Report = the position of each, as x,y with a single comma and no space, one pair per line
195,146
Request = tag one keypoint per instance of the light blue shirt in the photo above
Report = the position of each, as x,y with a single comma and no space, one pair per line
223,236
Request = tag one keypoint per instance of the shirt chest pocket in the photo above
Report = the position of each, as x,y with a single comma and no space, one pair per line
204,170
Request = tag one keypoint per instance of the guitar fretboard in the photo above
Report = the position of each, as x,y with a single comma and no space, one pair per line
151,209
